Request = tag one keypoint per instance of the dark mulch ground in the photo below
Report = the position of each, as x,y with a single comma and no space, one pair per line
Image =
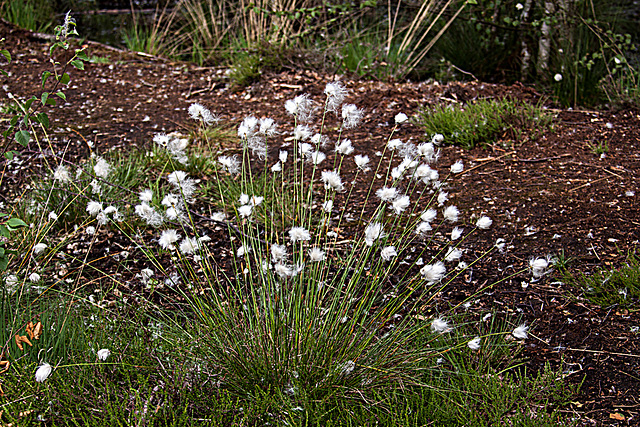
545,197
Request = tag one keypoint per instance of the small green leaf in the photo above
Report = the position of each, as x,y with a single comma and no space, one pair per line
44,97
9,155
6,54
78,64
82,55
27,104
45,76
16,223
472,2
4,231
23,137
61,94
43,119
65,79
51,101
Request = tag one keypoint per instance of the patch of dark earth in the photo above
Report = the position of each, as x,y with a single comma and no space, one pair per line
545,196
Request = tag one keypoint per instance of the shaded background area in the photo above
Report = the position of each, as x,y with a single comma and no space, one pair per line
581,52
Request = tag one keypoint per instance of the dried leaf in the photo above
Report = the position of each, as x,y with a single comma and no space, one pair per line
617,416
37,330
22,339
29,329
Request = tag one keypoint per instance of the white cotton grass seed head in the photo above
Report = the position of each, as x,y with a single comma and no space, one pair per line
453,254
62,174
43,372
283,155
276,167
401,118
331,180
387,194
457,167
34,277
484,222
521,332
298,234
423,228
336,93
351,116
474,344
433,272
429,215
168,238
327,206
400,204
39,248
362,162
102,168
201,113
103,354
317,157
344,147
539,267
146,196
451,213
245,211
94,208
373,232
189,245
394,144
389,252
278,253
437,139
268,127
301,107
230,164
456,233
440,325
53,216
443,196
316,254
302,133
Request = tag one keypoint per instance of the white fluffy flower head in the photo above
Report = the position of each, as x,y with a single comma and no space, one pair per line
43,372
103,354
299,233
440,325
372,233
331,180
168,238
484,222
401,118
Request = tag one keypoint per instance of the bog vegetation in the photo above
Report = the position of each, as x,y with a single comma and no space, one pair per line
286,281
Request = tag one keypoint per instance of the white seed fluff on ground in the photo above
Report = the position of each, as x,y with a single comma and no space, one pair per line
520,332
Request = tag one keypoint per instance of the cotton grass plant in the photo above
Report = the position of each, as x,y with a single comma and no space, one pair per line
320,295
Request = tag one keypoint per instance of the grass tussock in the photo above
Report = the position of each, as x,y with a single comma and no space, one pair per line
486,122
